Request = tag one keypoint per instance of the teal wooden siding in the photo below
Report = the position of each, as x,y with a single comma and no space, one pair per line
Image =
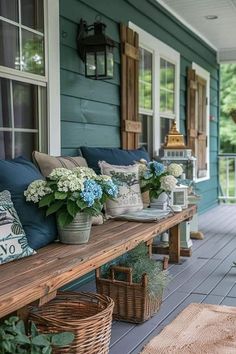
90,110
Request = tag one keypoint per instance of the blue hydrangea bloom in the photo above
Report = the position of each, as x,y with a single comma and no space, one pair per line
111,189
91,191
157,167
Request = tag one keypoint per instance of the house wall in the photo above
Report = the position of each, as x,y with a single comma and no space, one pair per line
90,110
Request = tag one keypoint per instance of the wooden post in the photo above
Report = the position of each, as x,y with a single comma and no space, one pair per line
174,244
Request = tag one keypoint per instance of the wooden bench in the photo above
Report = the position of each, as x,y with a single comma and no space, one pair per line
37,278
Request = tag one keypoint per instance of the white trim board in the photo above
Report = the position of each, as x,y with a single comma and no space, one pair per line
205,75
53,94
186,24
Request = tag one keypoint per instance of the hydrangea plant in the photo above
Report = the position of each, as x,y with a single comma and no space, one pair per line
67,192
156,178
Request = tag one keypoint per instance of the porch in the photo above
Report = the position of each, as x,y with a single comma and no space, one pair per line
206,277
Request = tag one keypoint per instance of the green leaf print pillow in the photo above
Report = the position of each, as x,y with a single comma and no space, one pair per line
13,241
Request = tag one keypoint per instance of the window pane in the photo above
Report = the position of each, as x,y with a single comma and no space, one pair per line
25,143
25,105
163,73
145,79
165,127
32,14
5,145
146,137
9,45
162,100
170,76
9,9
5,104
32,53
170,106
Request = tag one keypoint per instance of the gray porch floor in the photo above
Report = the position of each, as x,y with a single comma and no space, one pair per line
208,277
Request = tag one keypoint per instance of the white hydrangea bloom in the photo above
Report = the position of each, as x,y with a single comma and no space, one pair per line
168,183
70,183
142,168
85,172
175,169
36,190
103,178
59,172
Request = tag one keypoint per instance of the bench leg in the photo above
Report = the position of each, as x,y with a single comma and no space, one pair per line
174,244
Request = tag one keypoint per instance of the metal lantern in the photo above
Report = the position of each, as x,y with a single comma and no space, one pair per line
96,50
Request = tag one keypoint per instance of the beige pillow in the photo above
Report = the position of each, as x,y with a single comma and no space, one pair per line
47,163
129,197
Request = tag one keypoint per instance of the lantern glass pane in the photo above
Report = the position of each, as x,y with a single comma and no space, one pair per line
101,64
110,64
90,64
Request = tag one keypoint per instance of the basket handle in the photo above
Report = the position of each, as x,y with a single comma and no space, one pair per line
126,270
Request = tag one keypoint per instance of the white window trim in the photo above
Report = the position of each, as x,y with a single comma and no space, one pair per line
53,93
206,76
52,74
159,50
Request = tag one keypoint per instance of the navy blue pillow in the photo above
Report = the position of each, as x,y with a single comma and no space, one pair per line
113,156
15,176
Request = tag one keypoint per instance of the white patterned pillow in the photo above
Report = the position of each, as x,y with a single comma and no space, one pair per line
13,241
129,197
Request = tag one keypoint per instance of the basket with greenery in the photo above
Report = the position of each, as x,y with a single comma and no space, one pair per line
14,338
136,279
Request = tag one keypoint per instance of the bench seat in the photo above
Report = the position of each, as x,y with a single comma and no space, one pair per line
38,277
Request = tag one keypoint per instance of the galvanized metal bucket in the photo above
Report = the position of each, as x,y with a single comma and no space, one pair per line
78,231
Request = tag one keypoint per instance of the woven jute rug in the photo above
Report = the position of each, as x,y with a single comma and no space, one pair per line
199,329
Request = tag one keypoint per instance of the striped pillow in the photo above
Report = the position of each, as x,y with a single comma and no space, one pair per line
47,163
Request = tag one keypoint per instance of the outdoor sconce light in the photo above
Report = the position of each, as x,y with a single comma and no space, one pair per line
96,50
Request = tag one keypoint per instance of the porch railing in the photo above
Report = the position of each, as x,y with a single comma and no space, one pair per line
227,170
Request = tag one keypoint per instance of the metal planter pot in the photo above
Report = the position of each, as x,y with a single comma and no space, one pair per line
78,231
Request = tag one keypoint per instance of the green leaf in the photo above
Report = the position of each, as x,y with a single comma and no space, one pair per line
46,200
20,327
81,204
47,350
33,330
72,208
22,339
64,218
41,340
55,207
62,339
60,195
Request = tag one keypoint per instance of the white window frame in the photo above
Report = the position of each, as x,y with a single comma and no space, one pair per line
159,50
206,76
52,74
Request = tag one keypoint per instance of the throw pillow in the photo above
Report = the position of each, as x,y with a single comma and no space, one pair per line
13,242
15,176
129,197
47,163
113,156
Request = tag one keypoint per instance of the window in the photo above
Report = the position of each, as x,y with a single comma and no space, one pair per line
25,101
159,74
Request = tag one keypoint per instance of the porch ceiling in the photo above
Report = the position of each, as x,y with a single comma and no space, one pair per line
219,32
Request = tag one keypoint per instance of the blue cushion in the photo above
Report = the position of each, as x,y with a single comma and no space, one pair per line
113,156
15,176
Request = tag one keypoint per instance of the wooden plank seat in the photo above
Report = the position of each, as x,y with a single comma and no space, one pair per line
38,277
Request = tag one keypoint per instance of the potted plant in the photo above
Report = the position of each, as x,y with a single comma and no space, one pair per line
74,196
15,339
159,180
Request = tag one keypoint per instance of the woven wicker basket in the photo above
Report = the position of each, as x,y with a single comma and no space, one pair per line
87,315
132,301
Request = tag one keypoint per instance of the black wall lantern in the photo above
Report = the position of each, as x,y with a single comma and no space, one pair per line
96,50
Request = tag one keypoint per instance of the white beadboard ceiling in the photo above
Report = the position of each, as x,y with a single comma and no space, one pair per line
219,33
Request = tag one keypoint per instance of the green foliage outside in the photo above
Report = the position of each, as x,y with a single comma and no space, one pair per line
15,340
228,103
